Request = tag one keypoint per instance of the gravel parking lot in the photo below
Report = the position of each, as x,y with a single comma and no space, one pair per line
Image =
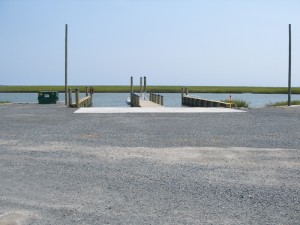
57,167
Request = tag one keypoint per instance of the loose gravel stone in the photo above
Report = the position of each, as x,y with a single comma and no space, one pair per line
57,167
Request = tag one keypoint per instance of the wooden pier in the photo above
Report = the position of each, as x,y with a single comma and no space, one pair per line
140,100
137,101
156,98
194,101
145,103
87,101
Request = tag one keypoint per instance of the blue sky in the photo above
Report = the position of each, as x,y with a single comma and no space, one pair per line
172,42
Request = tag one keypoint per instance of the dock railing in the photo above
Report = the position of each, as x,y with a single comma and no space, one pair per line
194,101
156,98
86,101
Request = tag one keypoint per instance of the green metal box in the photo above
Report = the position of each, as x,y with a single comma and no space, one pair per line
48,97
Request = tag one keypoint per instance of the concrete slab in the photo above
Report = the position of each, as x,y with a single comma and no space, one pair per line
156,110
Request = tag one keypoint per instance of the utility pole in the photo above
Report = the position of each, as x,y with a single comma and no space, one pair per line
66,65
290,64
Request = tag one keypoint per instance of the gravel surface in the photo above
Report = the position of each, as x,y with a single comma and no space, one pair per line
57,167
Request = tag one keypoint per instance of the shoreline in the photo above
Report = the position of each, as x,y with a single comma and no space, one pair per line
154,89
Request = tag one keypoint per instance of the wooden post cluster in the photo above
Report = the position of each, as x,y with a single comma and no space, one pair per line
133,97
156,98
87,101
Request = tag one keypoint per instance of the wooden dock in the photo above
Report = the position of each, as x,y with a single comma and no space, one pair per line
193,101
137,101
140,99
145,103
83,102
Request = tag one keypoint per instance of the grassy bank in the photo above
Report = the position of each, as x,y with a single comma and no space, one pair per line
284,103
3,102
158,89
238,103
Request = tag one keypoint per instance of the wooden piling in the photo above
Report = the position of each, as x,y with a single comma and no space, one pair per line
186,91
141,86
131,84
70,97
131,91
86,91
91,93
77,97
145,85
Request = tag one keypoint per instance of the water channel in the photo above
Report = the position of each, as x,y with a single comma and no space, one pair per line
170,99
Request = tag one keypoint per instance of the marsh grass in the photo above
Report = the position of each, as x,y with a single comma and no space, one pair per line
284,103
238,103
3,102
157,89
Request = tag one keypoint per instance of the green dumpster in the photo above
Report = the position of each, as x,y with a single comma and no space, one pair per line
48,97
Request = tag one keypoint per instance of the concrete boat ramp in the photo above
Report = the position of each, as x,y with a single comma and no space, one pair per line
156,110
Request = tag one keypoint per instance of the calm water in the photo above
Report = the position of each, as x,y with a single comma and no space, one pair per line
170,99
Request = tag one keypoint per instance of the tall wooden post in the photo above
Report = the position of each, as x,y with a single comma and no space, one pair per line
141,86
70,97
290,64
145,85
186,91
131,91
182,92
131,84
77,97
66,65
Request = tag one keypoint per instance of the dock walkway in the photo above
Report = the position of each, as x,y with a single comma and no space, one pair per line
147,104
